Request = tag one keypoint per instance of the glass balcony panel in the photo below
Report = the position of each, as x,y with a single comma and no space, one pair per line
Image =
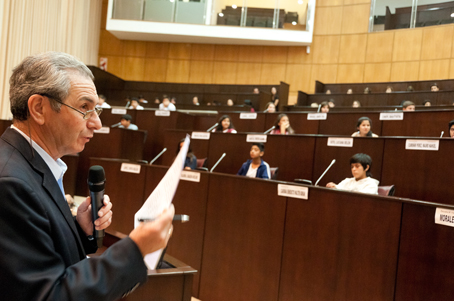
434,12
128,9
391,14
190,11
159,10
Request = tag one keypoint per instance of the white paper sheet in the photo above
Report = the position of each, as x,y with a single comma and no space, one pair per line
162,197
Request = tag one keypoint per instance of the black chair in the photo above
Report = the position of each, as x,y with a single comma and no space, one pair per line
273,172
386,190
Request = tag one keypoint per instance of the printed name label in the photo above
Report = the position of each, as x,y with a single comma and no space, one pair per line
119,111
248,115
200,135
256,138
131,168
392,116
444,217
190,176
290,191
431,145
340,142
164,113
316,116
103,130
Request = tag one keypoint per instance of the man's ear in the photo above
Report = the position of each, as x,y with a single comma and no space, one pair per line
367,168
261,154
36,108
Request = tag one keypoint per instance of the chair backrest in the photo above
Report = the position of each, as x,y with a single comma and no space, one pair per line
201,162
386,190
273,172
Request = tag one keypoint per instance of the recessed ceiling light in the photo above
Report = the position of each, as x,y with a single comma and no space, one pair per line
293,23
234,6
221,15
300,1
452,15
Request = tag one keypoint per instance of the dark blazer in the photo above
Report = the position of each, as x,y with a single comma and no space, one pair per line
43,250
262,171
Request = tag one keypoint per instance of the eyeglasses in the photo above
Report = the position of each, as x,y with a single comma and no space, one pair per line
86,115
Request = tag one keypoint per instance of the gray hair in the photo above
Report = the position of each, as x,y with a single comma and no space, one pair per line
46,73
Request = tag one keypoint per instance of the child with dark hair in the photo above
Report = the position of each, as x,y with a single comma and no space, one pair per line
282,126
191,159
256,167
324,107
361,181
364,127
451,128
225,125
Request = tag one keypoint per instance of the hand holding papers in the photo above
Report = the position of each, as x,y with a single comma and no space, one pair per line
161,198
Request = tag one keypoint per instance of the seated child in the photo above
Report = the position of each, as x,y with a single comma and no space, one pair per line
361,181
256,167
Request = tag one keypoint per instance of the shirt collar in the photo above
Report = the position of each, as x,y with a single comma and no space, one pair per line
57,167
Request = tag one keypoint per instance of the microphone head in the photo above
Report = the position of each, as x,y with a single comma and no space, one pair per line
165,149
223,155
334,161
96,178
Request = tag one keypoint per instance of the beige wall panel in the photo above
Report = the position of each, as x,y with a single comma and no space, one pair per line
353,48
451,72
323,73
179,51
157,50
248,73
377,73
135,48
438,69
355,18
109,44
201,72
155,70
248,53
177,71
405,71
437,42
275,54
349,2
299,55
104,14
225,72
351,73
292,98
329,2
203,52
134,68
380,47
226,53
325,49
114,65
328,20
298,76
272,74
407,45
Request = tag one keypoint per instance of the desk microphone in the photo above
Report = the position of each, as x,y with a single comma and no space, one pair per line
266,111
268,131
220,159
215,125
442,132
115,125
159,155
319,107
127,104
332,162
96,183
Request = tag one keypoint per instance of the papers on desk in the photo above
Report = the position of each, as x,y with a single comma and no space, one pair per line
162,197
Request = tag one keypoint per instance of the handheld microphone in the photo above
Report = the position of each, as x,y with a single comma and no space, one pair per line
127,104
332,162
270,129
220,159
159,155
96,184
215,125
319,107
266,111
115,125
442,132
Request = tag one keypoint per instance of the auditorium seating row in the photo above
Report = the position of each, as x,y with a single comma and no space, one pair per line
116,90
249,243
350,109
379,99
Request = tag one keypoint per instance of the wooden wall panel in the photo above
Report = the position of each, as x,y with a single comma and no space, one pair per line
248,73
133,68
247,53
179,51
353,48
298,55
202,52
272,73
380,47
135,48
157,50
407,45
226,53
348,2
298,77
377,72
431,46
109,44
355,18
275,54
155,70
114,64
436,69
328,20
177,71
403,71
326,49
201,72
350,73
324,73
329,3
225,73
451,72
